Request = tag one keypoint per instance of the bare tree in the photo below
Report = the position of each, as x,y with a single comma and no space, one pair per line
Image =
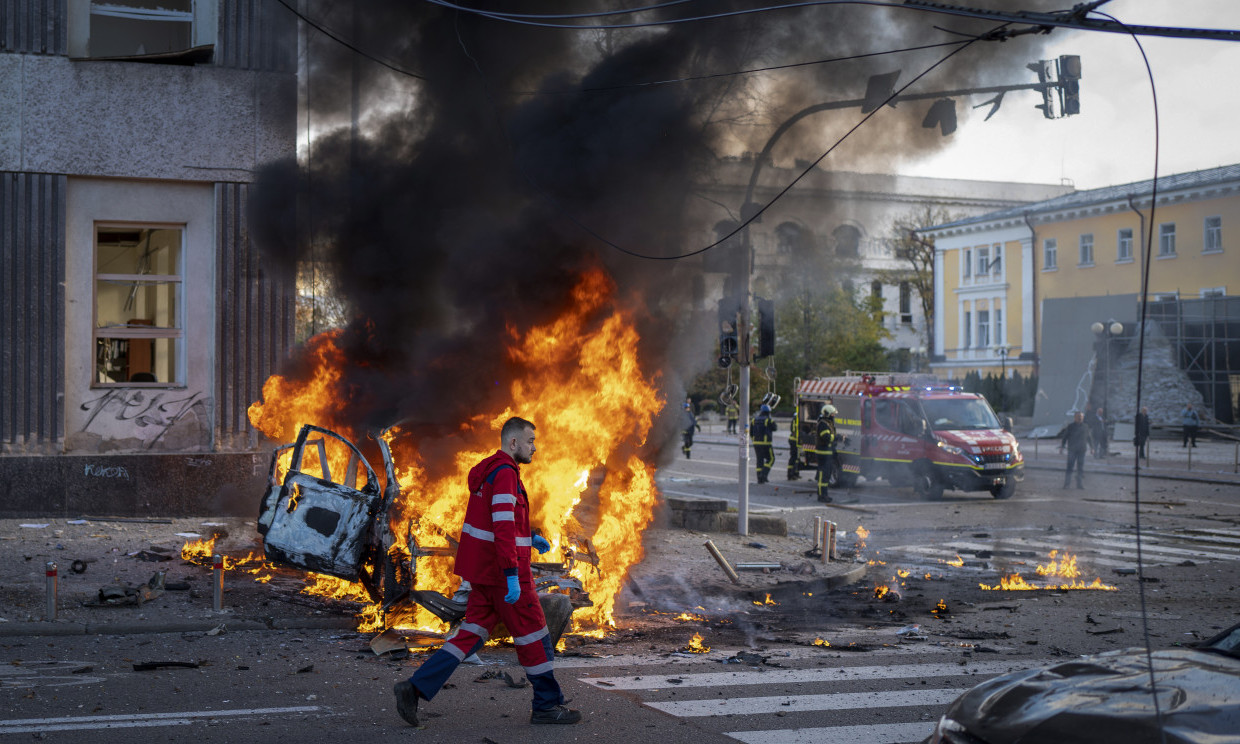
916,253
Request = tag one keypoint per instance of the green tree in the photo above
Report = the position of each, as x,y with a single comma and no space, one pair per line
825,332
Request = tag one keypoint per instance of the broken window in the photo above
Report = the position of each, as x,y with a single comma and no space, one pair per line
178,31
138,305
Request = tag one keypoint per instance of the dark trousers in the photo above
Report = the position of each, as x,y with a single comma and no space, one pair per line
823,476
1190,433
732,425
525,621
687,444
766,458
794,467
1141,441
1075,457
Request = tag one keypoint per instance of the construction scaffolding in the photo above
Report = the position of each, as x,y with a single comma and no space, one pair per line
1205,334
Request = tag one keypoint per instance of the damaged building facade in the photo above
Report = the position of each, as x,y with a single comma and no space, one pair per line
138,324
837,225
1053,289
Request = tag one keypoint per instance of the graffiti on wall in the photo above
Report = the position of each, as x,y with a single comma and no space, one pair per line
142,414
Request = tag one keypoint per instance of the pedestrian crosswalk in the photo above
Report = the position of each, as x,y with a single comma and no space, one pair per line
834,704
1099,549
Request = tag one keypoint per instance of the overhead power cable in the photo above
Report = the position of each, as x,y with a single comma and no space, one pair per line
1040,21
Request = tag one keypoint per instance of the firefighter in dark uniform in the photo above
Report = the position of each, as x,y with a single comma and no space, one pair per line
690,424
762,429
824,450
794,440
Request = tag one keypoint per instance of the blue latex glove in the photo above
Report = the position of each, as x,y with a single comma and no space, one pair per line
514,590
541,544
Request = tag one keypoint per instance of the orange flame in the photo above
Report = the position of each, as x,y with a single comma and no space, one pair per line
696,646
582,385
821,642
957,561
767,601
1064,567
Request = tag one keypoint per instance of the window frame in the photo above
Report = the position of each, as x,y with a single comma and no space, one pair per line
1166,240
176,332
983,328
968,329
203,20
1050,254
1122,256
996,263
967,264
1212,235
983,262
1085,250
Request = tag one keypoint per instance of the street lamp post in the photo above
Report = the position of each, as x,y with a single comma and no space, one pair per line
1003,354
1105,332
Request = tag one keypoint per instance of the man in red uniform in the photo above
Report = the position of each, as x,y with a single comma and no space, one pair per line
494,557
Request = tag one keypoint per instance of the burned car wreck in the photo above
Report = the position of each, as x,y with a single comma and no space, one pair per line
340,524
1106,698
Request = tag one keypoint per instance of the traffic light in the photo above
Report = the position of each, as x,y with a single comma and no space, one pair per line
766,328
1070,83
942,114
1046,76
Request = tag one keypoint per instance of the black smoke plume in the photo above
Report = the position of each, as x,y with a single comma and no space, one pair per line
468,200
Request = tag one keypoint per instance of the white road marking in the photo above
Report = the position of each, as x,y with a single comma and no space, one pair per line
791,676
881,733
803,703
143,720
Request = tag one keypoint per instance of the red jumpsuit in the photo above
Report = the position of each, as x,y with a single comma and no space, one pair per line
495,544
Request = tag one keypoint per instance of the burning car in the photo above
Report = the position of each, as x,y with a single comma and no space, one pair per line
331,514
1107,698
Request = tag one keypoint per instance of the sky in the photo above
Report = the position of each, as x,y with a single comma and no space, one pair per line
1112,140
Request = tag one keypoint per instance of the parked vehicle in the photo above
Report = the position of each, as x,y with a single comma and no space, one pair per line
1107,699
911,430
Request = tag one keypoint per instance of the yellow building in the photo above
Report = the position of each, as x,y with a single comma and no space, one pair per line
995,273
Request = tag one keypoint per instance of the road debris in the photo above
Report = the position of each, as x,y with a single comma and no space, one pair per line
149,666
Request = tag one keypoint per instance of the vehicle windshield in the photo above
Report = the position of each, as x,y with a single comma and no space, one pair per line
959,413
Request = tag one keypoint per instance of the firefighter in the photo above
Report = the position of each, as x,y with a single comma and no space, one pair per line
690,424
762,429
824,450
794,439
494,557
734,414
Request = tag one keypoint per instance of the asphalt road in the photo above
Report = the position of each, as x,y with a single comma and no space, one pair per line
876,681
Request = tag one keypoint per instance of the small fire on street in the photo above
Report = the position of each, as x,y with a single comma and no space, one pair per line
1060,574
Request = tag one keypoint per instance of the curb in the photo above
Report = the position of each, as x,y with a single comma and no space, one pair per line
1217,479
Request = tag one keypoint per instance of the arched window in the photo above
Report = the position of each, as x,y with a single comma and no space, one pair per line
847,241
789,239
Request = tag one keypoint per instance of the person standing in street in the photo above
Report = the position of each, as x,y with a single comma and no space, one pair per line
824,451
1191,422
690,424
1141,433
734,414
494,557
1077,438
762,429
794,440
1098,429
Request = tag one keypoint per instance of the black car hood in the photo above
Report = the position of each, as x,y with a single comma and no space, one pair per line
1106,698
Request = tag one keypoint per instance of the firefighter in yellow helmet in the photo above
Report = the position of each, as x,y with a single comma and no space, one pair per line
824,450
762,429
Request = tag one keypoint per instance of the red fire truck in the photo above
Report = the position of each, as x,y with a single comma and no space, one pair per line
911,430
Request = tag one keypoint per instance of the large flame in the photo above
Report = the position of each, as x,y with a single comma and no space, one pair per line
583,387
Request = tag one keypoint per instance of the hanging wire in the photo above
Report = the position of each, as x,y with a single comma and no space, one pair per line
1141,320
